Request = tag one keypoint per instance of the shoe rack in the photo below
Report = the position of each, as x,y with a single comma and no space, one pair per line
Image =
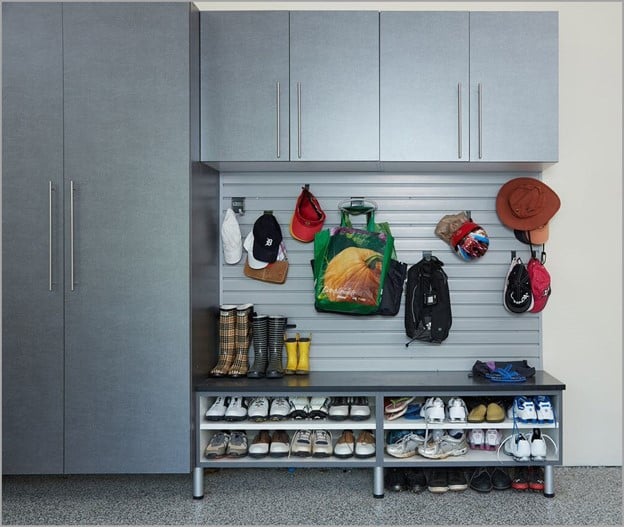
377,387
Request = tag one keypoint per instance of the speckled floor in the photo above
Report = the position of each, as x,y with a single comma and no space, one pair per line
585,496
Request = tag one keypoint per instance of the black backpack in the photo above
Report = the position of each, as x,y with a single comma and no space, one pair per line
427,302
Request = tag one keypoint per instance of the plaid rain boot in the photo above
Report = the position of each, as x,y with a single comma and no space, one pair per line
227,340
240,366
277,326
291,354
260,332
303,364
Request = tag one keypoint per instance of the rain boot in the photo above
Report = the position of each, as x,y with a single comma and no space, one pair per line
303,364
240,366
260,331
291,354
227,340
277,326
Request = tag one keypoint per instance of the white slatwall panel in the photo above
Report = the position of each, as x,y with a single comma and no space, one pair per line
412,204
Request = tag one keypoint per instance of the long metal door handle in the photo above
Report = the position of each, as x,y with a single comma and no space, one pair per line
299,120
50,189
71,234
459,120
277,103
480,91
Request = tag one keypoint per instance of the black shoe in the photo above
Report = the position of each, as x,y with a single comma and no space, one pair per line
457,479
394,479
500,479
438,481
481,480
415,479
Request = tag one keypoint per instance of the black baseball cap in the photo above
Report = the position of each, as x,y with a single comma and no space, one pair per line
267,236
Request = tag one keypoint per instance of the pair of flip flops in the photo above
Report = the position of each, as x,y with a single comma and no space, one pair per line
402,407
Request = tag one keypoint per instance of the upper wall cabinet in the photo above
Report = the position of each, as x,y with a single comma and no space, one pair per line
334,90
424,87
514,86
244,86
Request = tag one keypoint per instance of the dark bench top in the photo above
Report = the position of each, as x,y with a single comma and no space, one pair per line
371,381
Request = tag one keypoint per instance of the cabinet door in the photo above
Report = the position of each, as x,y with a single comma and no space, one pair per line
244,86
127,149
514,86
424,86
32,258
334,86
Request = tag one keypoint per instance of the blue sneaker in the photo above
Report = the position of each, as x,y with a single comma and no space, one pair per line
544,409
523,410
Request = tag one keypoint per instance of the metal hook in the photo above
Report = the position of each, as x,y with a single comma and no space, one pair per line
238,205
427,255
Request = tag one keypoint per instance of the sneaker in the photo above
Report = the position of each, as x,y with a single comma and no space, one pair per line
538,445
236,410
517,446
280,444
481,481
300,407
345,447
217,445
258,409
433,410
237,446
457,479
500,479
415,479
476,439
405,446
438,481
360,409
280,409
260,444
365,445
543,409
523,410
217,411
456,410
536,479
493,439
319,407
451,443
394,479
520,480
321,443
338,408
301,443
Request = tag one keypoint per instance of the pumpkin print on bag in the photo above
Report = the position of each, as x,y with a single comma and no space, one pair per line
353,275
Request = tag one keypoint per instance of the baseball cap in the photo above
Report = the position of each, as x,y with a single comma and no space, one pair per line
308,217
540,284
517,296
253,262
231,238
264,243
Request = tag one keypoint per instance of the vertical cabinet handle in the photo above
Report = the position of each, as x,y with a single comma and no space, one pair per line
459,120
50,189
277,103
71,234
480,92
299,120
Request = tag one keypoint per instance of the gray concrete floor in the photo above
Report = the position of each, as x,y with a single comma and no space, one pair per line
584,496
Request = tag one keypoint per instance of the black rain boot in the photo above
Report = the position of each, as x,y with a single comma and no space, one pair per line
277,327
260,338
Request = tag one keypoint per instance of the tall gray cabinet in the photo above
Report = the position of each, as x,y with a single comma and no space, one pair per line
96,179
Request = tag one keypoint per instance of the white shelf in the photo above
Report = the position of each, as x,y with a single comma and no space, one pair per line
407,424
472,457
288,461
290,424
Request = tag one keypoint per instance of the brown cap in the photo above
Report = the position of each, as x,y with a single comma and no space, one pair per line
526,204
449,224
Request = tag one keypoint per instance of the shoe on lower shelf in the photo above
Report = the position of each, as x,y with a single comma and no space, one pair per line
280,444
536,479
345,446
260,444
321,443
237,446
517,446
457,479
405,445
438,481
415,479
365,445
451,443
217,445
476,439
500,479
520,480
492,440
538,445
481,480
394,479
301,443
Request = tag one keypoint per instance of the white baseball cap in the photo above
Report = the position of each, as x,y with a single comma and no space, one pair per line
253,262
231,238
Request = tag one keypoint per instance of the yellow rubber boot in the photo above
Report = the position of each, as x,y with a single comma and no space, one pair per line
291,354
303,365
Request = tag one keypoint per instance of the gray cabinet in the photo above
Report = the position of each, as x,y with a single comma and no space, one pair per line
101,364
424,63
334,86
514,86
244,86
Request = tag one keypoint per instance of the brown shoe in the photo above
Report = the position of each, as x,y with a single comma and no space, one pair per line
345,447
280,444
260,445
365,444
495,413
477,414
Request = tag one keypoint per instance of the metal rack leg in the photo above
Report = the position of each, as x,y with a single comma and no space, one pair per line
198,483
549,481
378,482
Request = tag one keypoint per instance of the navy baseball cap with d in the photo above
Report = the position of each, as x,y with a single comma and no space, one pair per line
267,236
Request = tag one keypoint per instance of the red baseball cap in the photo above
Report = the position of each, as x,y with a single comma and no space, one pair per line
308,217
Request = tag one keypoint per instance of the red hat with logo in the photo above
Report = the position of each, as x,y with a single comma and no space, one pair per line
308,217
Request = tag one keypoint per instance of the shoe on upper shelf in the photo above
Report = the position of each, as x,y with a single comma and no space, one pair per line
523,410
365,445
450,443
216,412
299,407
321,443
338,408
495,413
360,409
433,410
456,410
280,409
396,404
236,410
543,409
477,414
258,409
319,407
345,446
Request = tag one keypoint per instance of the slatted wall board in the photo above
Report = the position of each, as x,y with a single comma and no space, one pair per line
412,204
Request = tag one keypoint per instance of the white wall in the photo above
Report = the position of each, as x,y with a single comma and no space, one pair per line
582,329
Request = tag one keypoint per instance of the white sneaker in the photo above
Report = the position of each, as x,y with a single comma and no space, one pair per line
321,443
217,411
493,439
280,408
544,409
433,410
405,446
280,444
236,410
517,446
456,410
301,443
524,410
360,409
538,445
299,407
476,439
319,407
452,443
338,408
258,409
